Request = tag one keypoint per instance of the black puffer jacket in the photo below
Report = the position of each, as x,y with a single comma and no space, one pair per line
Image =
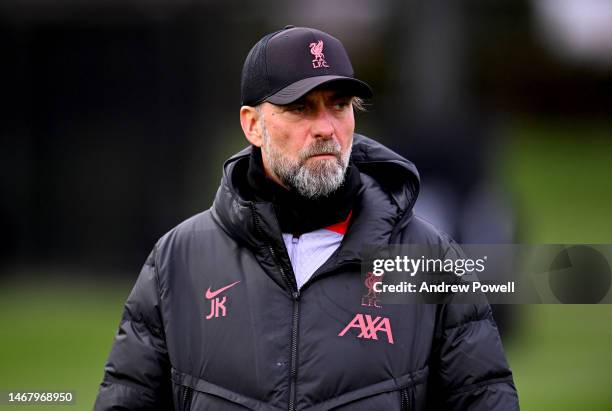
215,322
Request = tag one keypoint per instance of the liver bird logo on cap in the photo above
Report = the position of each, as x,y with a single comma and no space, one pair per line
316,49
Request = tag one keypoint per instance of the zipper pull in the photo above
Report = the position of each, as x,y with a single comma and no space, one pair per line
296,295
295,239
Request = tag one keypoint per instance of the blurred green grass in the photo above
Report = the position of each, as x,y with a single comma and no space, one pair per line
559,177
56,334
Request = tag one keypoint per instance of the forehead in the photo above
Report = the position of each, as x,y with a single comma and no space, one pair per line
330,90
325,93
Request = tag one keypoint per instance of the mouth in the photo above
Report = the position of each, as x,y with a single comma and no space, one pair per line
324,155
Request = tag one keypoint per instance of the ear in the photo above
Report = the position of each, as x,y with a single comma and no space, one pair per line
249,120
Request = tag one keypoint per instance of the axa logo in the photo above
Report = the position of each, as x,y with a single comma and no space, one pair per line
370,327
217,305
316,49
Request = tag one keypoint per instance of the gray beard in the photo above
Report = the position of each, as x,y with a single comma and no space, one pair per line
318,178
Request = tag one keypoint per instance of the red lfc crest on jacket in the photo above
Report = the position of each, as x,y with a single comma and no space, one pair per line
316,49
370,299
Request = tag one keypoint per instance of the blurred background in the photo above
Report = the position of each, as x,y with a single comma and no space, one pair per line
117,117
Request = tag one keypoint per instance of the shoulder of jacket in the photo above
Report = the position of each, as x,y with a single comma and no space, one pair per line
416,230
194,227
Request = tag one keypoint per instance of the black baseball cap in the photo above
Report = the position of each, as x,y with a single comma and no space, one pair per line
286,64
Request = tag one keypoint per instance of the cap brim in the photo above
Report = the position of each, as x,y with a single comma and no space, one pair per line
298,89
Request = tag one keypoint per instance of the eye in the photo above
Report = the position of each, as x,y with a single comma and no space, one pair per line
296,108
342,104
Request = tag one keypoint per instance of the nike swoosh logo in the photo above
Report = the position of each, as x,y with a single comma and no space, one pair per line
213,294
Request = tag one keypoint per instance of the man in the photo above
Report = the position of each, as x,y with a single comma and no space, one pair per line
258,302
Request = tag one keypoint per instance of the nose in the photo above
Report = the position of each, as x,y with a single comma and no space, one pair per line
322,125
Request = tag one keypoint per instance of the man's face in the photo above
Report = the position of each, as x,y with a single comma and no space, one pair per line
307,144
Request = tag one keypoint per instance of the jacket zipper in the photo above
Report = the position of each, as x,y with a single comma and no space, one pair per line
187,398
294,341
295,296
284,276
406,399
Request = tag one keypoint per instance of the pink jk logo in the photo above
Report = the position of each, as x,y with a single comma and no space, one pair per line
217,305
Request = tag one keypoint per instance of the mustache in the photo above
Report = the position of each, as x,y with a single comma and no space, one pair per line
321,147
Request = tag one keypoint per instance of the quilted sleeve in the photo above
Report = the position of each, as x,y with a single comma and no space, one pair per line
137,373
468,367
469,363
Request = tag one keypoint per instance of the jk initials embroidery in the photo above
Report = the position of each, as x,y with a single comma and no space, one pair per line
217,305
